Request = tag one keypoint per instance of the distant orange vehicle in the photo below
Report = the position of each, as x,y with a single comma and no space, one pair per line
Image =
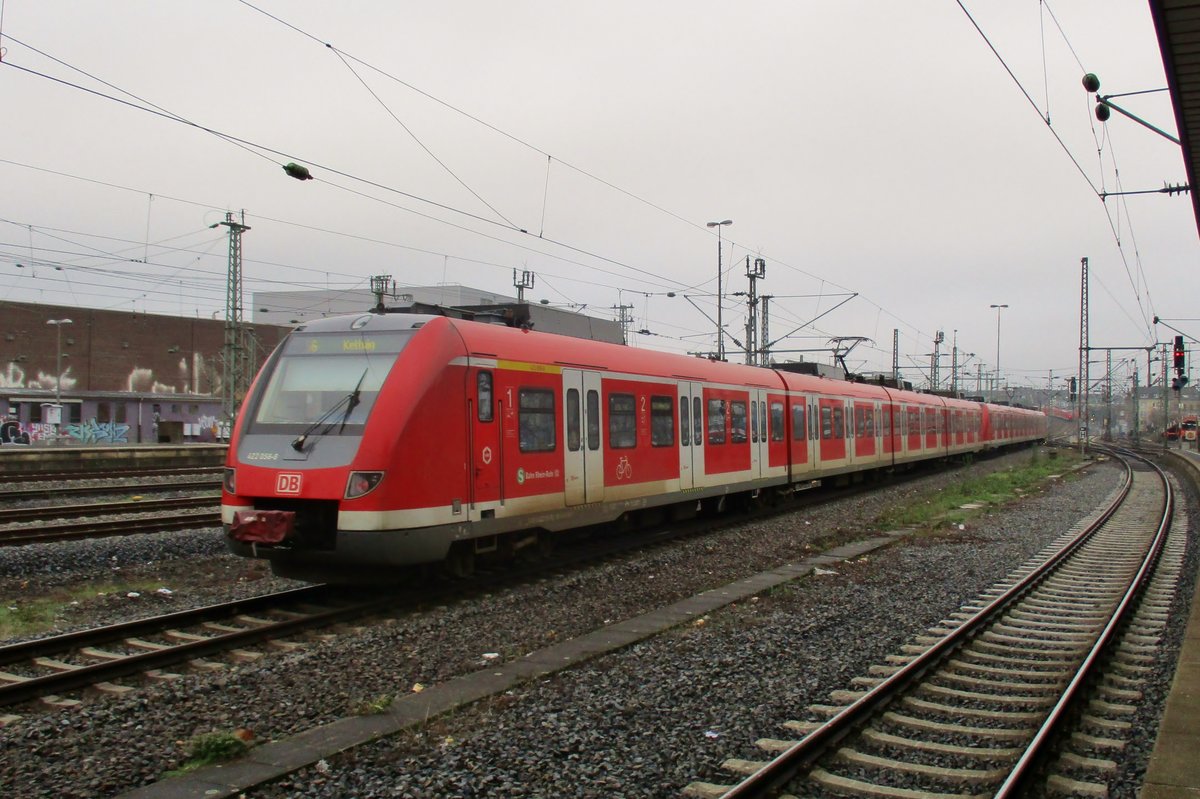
1188,428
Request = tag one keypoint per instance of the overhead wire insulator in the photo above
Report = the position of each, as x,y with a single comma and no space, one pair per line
297,171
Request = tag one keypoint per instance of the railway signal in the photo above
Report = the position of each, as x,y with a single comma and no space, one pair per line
1180,379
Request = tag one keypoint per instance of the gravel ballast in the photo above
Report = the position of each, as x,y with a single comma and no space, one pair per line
641,722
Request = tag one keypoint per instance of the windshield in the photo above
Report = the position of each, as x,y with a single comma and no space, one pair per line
317,372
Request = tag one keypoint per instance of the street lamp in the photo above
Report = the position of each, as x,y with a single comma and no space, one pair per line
720,326
998,307
58,323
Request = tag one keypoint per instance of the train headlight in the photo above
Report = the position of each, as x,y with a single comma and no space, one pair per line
362,483
230,480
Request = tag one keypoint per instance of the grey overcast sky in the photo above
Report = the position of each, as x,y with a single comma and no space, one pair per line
858,146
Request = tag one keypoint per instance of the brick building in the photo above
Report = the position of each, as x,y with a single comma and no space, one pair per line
125,377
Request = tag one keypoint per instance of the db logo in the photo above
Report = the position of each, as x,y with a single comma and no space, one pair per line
288,483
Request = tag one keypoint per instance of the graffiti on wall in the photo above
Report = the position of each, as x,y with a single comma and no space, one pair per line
93,432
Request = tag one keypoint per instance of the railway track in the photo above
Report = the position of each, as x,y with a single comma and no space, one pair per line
106,472
48,667
11,495
51,523
972,708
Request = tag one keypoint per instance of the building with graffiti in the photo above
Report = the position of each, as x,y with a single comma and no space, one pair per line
121,377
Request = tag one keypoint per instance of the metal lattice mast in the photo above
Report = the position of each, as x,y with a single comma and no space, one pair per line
765,353
1084,351
935,359
954,366
382,286
756,272
234,374
522,282
1108,378
896,355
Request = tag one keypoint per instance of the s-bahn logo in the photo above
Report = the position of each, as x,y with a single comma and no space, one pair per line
288,483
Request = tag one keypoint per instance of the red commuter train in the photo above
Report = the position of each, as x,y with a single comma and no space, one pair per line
374,441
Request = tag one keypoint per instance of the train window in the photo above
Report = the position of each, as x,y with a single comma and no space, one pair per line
839,422
869,417
662,421
572,411
593,420
483,394
685,423
622,421
754,421
536,420
798,426
737,424
697,423
119,415
777,421
860,425
103,412
762,421
716,421
826,423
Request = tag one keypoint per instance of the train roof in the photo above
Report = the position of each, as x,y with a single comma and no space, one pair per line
501,341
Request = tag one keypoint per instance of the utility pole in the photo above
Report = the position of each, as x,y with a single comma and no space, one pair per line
234,374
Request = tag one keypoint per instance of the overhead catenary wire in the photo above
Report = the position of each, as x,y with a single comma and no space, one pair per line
150,108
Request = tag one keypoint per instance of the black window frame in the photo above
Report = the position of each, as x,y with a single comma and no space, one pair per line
716,411
485,412
622,421
532,437
571,407
660,415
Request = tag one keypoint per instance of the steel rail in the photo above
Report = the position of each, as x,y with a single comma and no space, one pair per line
802,755
102,473
14,494
1023,770
87,675
73,531
48,512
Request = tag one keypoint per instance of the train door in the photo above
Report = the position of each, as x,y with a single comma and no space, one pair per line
799,439
691,435
485,428
583,457
758,432
832,429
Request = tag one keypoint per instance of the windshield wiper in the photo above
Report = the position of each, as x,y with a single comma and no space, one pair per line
351,401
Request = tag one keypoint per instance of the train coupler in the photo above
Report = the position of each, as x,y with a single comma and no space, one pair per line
263,526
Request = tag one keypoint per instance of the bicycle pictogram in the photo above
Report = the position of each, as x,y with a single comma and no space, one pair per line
624,468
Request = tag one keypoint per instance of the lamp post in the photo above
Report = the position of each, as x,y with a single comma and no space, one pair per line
998,308
58,323
720,326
